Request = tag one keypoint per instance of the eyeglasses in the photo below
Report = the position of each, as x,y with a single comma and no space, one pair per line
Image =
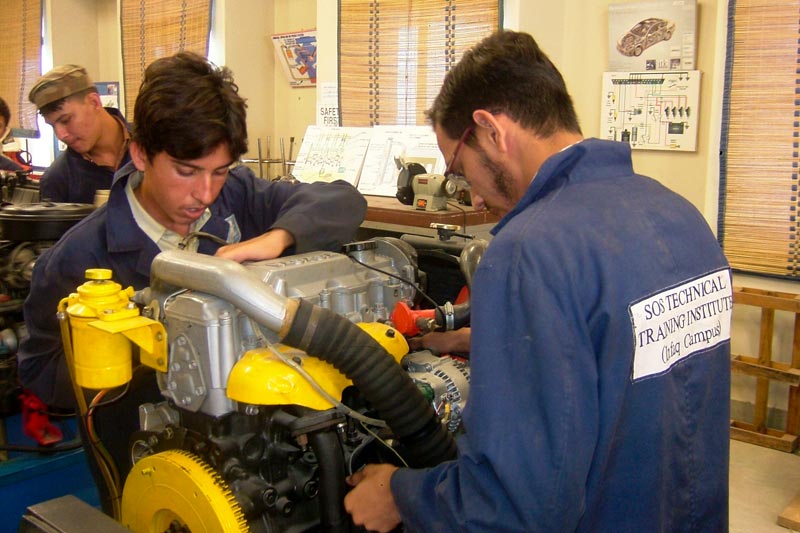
456,178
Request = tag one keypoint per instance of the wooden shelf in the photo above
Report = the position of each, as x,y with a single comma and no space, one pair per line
386,210
766,371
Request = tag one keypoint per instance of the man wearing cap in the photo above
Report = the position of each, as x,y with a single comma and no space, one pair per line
96,137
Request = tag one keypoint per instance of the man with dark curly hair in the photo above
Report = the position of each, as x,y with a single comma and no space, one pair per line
181,189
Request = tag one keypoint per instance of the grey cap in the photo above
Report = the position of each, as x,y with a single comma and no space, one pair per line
59,83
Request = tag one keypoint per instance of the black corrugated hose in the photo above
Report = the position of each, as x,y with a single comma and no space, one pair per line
332,488
338,341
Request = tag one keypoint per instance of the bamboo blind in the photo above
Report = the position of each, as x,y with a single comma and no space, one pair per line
152,29
20,61
393,54
759,157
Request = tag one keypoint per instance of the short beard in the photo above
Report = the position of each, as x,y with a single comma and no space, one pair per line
503,183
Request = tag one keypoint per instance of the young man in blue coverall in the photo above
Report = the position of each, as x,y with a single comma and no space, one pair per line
178,190
97,137
601,309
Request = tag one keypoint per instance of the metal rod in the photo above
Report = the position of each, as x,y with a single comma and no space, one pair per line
269,143
283,158
260,161
289,162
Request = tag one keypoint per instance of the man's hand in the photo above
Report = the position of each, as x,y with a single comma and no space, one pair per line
456,341
371,503
267,246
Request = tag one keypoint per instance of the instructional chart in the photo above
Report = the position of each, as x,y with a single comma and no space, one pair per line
390,144
651,110
329,154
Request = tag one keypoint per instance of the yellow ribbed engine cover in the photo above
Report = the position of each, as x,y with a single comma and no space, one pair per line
261,378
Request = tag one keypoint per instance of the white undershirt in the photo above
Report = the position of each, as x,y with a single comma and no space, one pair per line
164,238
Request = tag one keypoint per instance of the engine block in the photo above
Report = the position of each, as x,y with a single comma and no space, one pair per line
208,335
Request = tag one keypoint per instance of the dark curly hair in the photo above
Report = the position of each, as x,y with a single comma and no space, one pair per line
506,72
187,106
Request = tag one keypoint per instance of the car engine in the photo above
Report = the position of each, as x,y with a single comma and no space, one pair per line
280,378
27,230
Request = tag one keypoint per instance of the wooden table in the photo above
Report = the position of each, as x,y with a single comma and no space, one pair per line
387,215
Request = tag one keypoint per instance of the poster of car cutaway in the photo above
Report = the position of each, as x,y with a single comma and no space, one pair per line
652,35
651,110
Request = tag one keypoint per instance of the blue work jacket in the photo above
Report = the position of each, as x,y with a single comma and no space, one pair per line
600,359
73,179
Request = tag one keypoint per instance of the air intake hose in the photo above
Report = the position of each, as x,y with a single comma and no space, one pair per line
336,340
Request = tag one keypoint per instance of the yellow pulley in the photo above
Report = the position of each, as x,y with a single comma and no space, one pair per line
176,489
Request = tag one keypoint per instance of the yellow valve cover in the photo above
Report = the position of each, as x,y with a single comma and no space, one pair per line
261,378
388,337
177,489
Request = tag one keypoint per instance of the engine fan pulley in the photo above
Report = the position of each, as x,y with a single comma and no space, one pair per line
175,490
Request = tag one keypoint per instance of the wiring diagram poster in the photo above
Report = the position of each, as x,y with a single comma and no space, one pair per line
651,110
329,154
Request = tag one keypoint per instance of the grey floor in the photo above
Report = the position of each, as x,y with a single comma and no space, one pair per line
763,482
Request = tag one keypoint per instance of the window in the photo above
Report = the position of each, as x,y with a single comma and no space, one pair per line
393,54
20,56
758,224
152,29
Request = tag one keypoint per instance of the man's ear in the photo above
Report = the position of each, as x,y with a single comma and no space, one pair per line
94,99
495,129
138,155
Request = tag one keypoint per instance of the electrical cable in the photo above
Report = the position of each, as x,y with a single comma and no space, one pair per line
100,449
375,435
196,234
316,386
339,406
63,447
463,212
422,293
107,469
94,437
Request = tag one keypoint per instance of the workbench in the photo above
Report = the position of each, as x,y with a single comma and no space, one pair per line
387,216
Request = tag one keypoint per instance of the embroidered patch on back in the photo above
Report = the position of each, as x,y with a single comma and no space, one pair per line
680,321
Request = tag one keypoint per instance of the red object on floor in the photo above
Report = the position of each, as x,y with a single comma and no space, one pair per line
35,421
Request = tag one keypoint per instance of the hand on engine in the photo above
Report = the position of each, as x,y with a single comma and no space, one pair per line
456,341
371,503
267,246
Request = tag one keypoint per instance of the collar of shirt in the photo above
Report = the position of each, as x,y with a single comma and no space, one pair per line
164,238
126,141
